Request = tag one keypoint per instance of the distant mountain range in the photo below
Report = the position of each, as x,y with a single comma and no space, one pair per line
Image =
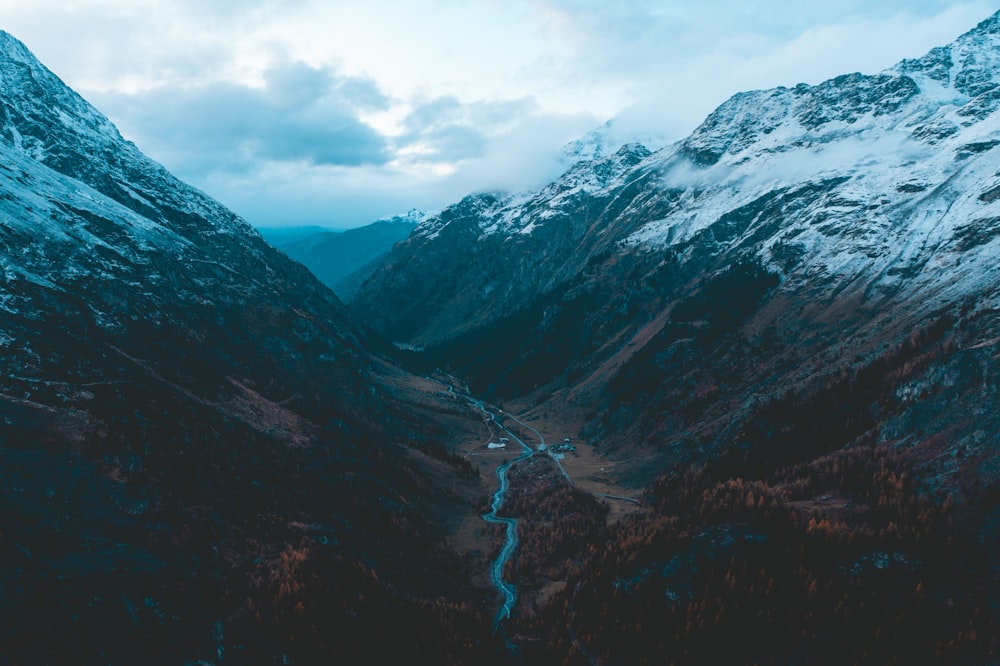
342,260
281,235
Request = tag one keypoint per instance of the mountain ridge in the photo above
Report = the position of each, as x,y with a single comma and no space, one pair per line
201,452
782,329
762,141
799,221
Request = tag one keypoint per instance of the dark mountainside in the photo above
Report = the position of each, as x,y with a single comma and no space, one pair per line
784,330
200,462
343,259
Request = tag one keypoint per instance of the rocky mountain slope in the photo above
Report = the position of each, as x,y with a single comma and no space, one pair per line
200,460
784,329
491,254
868,197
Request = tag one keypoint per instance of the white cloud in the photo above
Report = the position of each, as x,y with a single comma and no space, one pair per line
330,113
300,115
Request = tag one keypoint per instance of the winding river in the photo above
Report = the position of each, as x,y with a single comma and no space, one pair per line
496,573
506,589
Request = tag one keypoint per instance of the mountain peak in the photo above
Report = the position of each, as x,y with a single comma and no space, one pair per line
11,48
43,119
22,76
988,26
606,140
923,93
411,217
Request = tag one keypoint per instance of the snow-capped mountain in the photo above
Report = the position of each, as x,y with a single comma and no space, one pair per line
606,140
891,176
414,216
773,327
492,253
855,210
108,238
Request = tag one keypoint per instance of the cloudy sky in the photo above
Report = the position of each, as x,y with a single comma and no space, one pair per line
338,112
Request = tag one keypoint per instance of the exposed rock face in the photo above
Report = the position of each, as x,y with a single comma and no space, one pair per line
797,233
869,198
492,253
